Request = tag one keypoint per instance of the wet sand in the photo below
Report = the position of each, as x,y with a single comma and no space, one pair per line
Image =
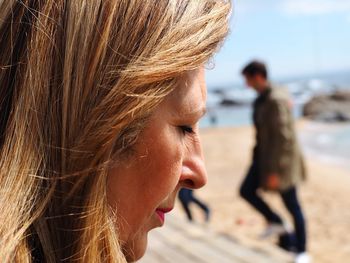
324,197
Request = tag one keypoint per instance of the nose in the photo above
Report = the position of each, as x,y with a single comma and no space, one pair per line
193,174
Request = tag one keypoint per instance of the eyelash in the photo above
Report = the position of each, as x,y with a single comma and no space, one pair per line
186,129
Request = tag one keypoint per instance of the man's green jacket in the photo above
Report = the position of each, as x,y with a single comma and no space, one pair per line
277,150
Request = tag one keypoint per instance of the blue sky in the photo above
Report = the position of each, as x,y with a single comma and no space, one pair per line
294,37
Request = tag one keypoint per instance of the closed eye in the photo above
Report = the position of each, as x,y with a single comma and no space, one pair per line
186,129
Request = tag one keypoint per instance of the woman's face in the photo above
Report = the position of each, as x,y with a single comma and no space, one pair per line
167,156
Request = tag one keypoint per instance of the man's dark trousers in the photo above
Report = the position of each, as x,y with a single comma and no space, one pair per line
249,191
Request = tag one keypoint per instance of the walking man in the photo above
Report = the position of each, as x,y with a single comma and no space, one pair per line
277,164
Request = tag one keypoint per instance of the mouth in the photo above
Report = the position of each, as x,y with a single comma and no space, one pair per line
161,213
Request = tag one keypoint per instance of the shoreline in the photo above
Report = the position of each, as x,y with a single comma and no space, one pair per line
326,142
318,139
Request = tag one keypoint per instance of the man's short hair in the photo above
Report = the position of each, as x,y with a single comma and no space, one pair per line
255,67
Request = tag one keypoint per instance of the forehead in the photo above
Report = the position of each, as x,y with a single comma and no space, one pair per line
190,94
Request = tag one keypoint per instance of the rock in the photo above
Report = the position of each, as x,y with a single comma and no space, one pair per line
230,102
341,96
218,91
332,108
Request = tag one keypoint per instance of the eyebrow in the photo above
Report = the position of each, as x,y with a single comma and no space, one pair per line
200,112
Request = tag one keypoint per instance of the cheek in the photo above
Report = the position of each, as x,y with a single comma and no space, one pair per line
164,167
137,189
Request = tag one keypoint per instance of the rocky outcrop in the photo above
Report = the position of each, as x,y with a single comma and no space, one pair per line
333,108
230,102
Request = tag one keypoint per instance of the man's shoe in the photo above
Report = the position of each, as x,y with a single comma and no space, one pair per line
302,258
274,229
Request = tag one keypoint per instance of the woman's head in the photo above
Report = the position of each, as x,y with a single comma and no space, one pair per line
166,157
99,100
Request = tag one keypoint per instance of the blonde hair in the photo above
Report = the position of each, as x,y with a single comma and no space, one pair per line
78,80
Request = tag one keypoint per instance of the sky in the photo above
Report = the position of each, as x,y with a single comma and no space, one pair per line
294,37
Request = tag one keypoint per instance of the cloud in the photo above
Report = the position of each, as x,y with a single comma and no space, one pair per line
293,7
252,6
315,7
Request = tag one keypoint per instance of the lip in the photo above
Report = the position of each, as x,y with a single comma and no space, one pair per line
161,213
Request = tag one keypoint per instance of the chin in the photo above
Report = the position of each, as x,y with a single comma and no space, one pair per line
136,248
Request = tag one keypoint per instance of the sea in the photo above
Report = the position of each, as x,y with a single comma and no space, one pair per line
329,142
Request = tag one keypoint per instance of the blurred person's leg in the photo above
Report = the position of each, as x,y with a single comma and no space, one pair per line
291,202
203,206
248,191
185,196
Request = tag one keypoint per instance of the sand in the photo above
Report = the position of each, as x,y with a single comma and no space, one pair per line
324,197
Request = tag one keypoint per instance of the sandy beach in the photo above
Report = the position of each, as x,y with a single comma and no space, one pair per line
324,197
